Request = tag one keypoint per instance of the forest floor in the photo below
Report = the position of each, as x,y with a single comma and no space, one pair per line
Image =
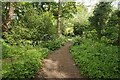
59,64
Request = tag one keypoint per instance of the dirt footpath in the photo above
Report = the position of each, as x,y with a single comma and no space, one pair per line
59,64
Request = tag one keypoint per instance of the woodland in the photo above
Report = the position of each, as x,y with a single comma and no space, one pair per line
32,30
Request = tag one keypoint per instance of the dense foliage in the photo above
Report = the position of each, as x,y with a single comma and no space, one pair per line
96,51
55,44
30,32
81,20
22,62
96,59
28,39
100,17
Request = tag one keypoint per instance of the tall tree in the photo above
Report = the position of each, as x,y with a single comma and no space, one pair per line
118,41
58,19
100,17
62,9
8,18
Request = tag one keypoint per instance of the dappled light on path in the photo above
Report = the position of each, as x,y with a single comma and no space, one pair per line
59,64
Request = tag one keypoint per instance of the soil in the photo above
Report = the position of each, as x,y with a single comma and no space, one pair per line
59,64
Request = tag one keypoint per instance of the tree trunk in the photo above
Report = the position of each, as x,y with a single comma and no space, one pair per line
119,29
58,20
8,19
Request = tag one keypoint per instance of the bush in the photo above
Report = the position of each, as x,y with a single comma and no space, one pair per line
22,62
96,59
55,44
41,27
76,40
78,29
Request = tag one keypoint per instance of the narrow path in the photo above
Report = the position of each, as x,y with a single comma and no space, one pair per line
59,64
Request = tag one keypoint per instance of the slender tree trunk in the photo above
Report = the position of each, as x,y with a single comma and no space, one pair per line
8,19
119,36
119,29
58,20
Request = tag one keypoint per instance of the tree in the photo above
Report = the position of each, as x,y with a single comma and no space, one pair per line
100,17
60,10
58,19
81,19
118,13
112,28
8,16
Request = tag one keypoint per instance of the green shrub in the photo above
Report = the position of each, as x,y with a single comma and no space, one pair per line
76,40
22,62
55,44
96,59
78,29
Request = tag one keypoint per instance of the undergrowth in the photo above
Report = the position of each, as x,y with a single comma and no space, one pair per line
96,59
21,62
